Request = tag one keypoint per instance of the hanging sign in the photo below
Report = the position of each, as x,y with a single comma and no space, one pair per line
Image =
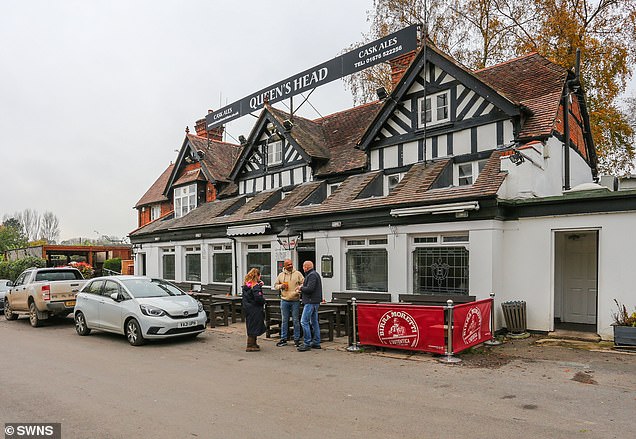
383,49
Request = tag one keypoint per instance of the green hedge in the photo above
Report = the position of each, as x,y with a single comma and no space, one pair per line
12,269
113,264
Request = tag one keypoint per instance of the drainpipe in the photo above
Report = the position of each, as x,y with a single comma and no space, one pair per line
574,84
236,274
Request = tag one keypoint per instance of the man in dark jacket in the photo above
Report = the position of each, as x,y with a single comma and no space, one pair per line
311,296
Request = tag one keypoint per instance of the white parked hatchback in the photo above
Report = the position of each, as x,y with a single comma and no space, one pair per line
139,307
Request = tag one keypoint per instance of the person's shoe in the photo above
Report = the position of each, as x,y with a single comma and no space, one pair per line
315,346
252,349
297,343
282,343
304,348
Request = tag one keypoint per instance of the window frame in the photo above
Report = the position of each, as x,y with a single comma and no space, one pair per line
275,153
387,189
168,251
454,240
422,112
353,245
180,194
191,250
218,249
260,248
476,167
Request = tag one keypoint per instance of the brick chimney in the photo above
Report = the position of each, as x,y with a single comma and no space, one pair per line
215,133
399,66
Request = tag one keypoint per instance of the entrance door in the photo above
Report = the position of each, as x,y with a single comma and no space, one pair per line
580,277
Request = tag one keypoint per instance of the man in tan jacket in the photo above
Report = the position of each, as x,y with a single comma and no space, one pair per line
286,283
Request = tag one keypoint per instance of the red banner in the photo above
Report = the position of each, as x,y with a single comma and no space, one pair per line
471,324
411,327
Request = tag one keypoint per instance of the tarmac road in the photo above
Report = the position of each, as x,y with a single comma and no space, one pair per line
100,387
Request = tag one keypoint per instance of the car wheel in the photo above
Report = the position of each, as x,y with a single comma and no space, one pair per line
8,314
80,324
133,333
33,315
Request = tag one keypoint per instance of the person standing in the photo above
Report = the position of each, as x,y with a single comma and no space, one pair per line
287,282
253,302
311,293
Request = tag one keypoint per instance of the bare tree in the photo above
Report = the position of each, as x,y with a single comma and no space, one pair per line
30,220
49,228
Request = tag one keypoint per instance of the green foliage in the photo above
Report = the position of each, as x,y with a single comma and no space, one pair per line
11,235
113,264
12,269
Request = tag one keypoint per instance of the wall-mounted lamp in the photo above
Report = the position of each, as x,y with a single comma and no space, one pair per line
517,158
288,238
382,93
288,124
242,139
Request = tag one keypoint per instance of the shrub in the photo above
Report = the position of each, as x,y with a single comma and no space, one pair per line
12,269
84,268
113,264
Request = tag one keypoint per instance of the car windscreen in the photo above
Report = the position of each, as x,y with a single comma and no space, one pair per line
151,288
51,275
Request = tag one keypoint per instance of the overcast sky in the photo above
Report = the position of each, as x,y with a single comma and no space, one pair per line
95,95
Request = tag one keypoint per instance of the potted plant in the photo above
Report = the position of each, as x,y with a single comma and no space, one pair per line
624,326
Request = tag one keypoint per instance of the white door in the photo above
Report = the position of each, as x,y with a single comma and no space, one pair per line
580,278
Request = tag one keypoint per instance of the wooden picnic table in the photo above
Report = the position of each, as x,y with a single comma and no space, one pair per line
236,310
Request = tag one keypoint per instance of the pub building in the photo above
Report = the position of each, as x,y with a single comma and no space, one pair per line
456,182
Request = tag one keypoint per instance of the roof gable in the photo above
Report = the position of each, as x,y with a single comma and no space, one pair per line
413,78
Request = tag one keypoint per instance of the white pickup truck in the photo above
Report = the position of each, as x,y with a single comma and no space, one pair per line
43,292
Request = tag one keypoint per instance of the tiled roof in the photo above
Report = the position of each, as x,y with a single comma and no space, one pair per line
155,193
308,134
189,176
218,158
342,131
333,138
413,190
531,81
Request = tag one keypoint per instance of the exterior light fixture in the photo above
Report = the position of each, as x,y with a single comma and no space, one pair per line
517,158
242,139
382,93
288,124
288,238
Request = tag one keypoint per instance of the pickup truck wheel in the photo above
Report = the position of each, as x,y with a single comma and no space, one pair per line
133,333
33,315
8,314
80,324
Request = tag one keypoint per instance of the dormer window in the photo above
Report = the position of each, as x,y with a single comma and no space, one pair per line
185,199
275,153
467,173
434,109
155,212
391,181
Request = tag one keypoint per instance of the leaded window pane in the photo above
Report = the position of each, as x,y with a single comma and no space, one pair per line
440,270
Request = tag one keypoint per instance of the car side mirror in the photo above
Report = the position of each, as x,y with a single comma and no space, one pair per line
9,284
115,297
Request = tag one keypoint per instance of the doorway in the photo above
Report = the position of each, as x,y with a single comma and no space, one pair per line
306,252
576,293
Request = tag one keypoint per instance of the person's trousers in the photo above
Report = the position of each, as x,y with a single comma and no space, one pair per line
309,322
288,307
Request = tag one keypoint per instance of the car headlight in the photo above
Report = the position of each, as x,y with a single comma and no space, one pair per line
152,311
200,306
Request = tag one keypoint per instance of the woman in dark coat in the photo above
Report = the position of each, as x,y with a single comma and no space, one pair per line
253,306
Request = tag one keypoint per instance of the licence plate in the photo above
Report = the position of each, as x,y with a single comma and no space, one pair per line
69,303
187,324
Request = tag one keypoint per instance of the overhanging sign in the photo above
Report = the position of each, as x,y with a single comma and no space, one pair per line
389,47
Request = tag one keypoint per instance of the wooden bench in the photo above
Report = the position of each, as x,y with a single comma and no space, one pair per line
435,299
217,312
217,288
273,320
185,286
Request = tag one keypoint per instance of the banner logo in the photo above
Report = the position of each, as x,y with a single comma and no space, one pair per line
398,328
472,326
